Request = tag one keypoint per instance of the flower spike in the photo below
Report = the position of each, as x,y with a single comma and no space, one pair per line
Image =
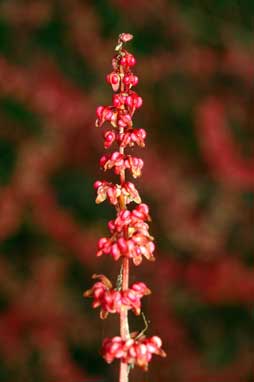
129,231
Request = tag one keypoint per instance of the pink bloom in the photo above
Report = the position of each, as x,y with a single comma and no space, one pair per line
121,162
125,37
112,192
111,300
132,351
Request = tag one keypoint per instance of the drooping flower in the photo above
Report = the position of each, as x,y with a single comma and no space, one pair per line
132,351
111,300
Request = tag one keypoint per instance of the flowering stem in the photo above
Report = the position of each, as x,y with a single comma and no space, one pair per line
130,238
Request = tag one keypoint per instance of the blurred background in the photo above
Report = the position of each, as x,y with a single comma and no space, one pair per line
195,64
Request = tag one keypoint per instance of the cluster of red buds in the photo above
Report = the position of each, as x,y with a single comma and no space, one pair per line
132,351
129,231
121,162
138,242
113,191
111,299
129,138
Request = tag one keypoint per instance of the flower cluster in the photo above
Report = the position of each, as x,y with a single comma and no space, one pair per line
121,162
129,138
112,192
111,300
132,351
138,242
129,231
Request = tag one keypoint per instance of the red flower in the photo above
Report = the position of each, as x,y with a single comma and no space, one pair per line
132,351
138,243
121,162
111,300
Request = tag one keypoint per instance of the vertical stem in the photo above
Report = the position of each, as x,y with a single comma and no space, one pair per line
124,372
124,323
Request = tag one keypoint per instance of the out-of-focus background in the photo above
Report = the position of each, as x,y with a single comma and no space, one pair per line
195,61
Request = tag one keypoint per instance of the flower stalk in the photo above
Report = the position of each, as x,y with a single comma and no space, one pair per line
129,239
